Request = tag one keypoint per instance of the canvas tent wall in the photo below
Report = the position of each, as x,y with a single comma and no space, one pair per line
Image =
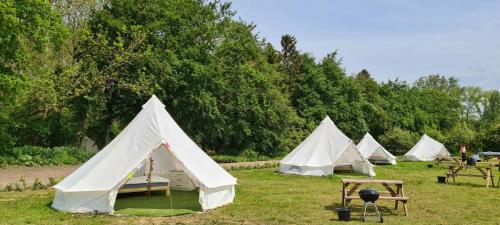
152,133
325,148
375,152
427,149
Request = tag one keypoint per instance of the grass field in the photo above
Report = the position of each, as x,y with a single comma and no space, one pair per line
267,197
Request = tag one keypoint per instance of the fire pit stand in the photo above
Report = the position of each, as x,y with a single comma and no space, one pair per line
370,196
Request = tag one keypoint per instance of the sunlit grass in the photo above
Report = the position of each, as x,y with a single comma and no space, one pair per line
266,197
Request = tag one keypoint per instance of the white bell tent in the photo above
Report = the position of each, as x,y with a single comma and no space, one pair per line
152,134
325,148
427,149
375,152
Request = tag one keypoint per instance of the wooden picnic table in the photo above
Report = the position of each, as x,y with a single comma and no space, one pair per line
484,168
394,189
447,160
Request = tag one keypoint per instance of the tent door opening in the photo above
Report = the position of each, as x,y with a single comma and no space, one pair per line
153,184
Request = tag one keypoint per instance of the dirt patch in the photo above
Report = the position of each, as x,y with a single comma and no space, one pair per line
29,174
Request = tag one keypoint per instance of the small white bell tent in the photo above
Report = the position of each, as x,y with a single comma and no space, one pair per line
324,149
151,135
375,152
427,149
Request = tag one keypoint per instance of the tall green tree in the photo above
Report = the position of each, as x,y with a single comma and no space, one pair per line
290,61
31,34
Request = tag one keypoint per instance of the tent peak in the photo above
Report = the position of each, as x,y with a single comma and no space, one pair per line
153,101
327,119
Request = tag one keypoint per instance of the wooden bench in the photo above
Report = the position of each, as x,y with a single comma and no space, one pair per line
396,194
343,168
397,198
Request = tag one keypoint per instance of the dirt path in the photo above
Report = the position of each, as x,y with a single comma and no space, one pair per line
29,174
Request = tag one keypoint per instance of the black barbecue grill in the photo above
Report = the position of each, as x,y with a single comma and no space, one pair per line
370,196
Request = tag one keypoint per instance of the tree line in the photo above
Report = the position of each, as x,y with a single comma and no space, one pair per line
76,68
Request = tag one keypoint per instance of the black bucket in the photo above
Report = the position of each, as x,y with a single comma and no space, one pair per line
344,214
441,179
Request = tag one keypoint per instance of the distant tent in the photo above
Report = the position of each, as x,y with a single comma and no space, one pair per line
427,149
325,148
153,133
375,152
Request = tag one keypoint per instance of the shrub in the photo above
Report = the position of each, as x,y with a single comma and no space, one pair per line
52,182
23,183
9,187
491,138
37,185
225,158
41,156
250,155
458,135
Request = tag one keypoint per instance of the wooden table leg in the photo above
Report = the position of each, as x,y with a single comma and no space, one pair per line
404,202
343,194
488,178
398,190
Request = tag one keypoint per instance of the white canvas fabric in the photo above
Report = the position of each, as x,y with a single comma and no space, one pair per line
375,152
152,133
325,148
427,149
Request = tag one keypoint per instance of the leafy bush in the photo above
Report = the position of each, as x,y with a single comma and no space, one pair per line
246,156
398,141
52,182
37,185
22,185
41,156
459,135
491,138
225,158
250,155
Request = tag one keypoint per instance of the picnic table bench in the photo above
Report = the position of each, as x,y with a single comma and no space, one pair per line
453,160
484,168
394,189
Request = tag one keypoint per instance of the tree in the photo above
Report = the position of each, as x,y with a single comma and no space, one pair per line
31,33
471,100
375,116
290,60
398,141
209,70
491,108
325,90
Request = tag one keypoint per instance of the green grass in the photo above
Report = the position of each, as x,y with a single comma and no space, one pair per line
137,204
264,196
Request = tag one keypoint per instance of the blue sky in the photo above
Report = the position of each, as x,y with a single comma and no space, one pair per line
390,38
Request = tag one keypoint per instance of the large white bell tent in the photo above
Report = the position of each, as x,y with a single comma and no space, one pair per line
375,152
427,149
324,149
151,135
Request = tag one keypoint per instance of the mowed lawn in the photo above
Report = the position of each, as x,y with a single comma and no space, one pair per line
267,197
